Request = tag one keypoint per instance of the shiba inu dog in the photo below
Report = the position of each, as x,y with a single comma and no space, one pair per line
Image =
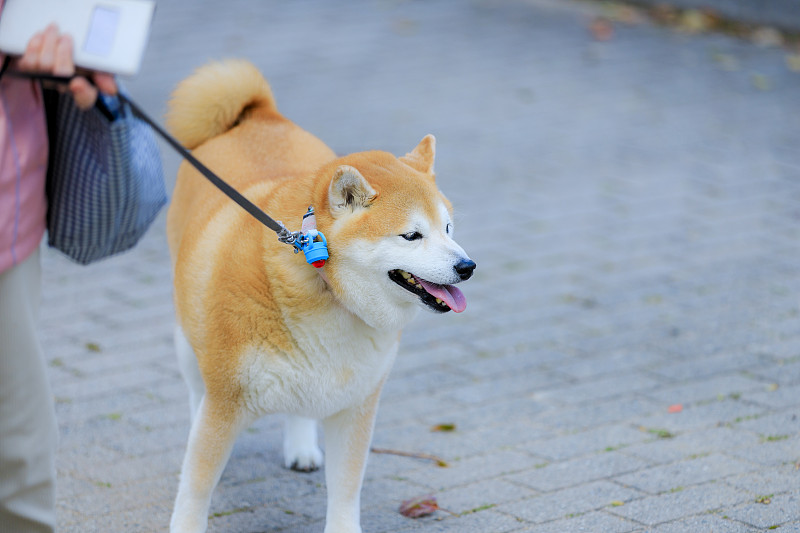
259,330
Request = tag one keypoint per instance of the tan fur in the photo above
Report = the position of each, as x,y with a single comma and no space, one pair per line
258,318
203,108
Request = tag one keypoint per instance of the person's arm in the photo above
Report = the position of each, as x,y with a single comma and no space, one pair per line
49,52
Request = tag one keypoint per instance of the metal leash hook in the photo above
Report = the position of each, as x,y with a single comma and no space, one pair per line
305,240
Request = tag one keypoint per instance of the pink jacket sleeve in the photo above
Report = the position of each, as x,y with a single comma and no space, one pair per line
23,167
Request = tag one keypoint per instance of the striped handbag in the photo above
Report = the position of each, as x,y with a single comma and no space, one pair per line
105,183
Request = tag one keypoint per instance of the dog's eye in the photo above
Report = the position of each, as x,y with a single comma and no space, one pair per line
412,236
448,229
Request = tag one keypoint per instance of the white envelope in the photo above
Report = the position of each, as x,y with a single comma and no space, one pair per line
109,35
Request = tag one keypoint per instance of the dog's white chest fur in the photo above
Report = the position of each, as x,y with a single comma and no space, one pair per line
339,360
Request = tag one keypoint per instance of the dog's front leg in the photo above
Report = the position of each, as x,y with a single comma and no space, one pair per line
214,430
347,441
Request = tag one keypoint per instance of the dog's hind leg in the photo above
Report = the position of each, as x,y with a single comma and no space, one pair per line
348,435
187,362
300,449
214,430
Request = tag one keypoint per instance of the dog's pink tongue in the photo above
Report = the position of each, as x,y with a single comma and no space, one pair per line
449,294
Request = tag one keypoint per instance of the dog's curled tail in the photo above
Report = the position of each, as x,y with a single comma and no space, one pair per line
210,101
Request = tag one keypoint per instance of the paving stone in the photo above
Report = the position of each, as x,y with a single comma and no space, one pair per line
706,389
472,469
599,413
703,416
614,362
783,397
694,444
708,367
522,410
431,380
125,470
654,510
262,519
599,389
110,498
568,502
767,481
523,385
482,495
586,442
143,520
781,509
775,451
590,522
88,387
709,523
464,441
676,476
470,523
548,477
488,366
776,425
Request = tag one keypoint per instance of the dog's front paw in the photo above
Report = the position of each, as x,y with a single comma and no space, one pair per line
303,459
300,449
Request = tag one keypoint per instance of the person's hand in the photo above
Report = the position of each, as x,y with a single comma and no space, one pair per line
49,52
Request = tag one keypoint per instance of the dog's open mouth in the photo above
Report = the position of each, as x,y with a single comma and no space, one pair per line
440,298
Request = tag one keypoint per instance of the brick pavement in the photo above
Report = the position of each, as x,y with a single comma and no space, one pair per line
633,209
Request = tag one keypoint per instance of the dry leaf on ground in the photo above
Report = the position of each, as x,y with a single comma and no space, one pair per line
417,507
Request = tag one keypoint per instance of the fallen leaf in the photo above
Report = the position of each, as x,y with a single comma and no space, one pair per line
444,427
772,387
675,408
601,29
417,507
617,503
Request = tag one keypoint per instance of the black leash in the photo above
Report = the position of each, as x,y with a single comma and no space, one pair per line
222,185
301,242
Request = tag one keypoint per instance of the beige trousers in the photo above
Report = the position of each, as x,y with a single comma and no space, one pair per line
28,430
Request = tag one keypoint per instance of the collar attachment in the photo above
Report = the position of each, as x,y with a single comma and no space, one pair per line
305,240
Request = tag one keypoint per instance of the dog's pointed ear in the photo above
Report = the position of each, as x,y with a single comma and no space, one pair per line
349,191
421,158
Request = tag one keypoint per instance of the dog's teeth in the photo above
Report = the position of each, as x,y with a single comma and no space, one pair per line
405,274
439,301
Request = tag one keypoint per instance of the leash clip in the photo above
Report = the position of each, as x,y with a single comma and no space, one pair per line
305,240
316,252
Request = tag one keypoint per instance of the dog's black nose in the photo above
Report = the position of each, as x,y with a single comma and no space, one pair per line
464,268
